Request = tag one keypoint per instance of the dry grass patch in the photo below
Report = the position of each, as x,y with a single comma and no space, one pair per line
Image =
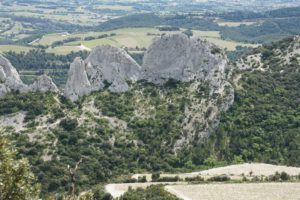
115,7
253,191
234,171
235,24
256,169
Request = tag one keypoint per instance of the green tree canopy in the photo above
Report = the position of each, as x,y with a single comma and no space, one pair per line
16,180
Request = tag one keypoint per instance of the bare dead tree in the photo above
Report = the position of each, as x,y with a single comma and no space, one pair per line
72,174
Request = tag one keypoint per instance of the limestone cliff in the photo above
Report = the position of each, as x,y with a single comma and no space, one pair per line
77,84
107,64
11,81
175,57
184,59
9,78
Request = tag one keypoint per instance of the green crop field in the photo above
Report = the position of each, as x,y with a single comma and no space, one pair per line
126,37
16,48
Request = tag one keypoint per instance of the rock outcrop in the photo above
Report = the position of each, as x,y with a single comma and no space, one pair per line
44,84
183,59
77,84
175,57
107,64
3,90
8,71
10,80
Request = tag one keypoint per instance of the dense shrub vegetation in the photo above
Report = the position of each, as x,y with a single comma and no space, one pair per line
39,61
16,179
223,178
150,193
33,104
277,24
263,124
107,152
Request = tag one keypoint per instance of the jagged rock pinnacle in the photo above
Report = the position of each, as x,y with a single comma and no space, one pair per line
77,84
112,65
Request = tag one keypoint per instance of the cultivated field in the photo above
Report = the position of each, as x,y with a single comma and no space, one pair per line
63,50
127,37
251,191
224,191
79,15
256,169
16,48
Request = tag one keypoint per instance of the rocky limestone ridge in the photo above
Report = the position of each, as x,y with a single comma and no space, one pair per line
10,80
78,83
175,57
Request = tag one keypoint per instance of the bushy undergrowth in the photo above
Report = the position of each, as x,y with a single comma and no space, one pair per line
150,193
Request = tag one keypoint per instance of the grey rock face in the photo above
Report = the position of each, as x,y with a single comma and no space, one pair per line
44,84
3,90
10,78
169,57
78,83
8,69
11,81
2,75
184,59
104,65
112,65
119,85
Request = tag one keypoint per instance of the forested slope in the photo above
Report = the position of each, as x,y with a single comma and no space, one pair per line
263,124
120,134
